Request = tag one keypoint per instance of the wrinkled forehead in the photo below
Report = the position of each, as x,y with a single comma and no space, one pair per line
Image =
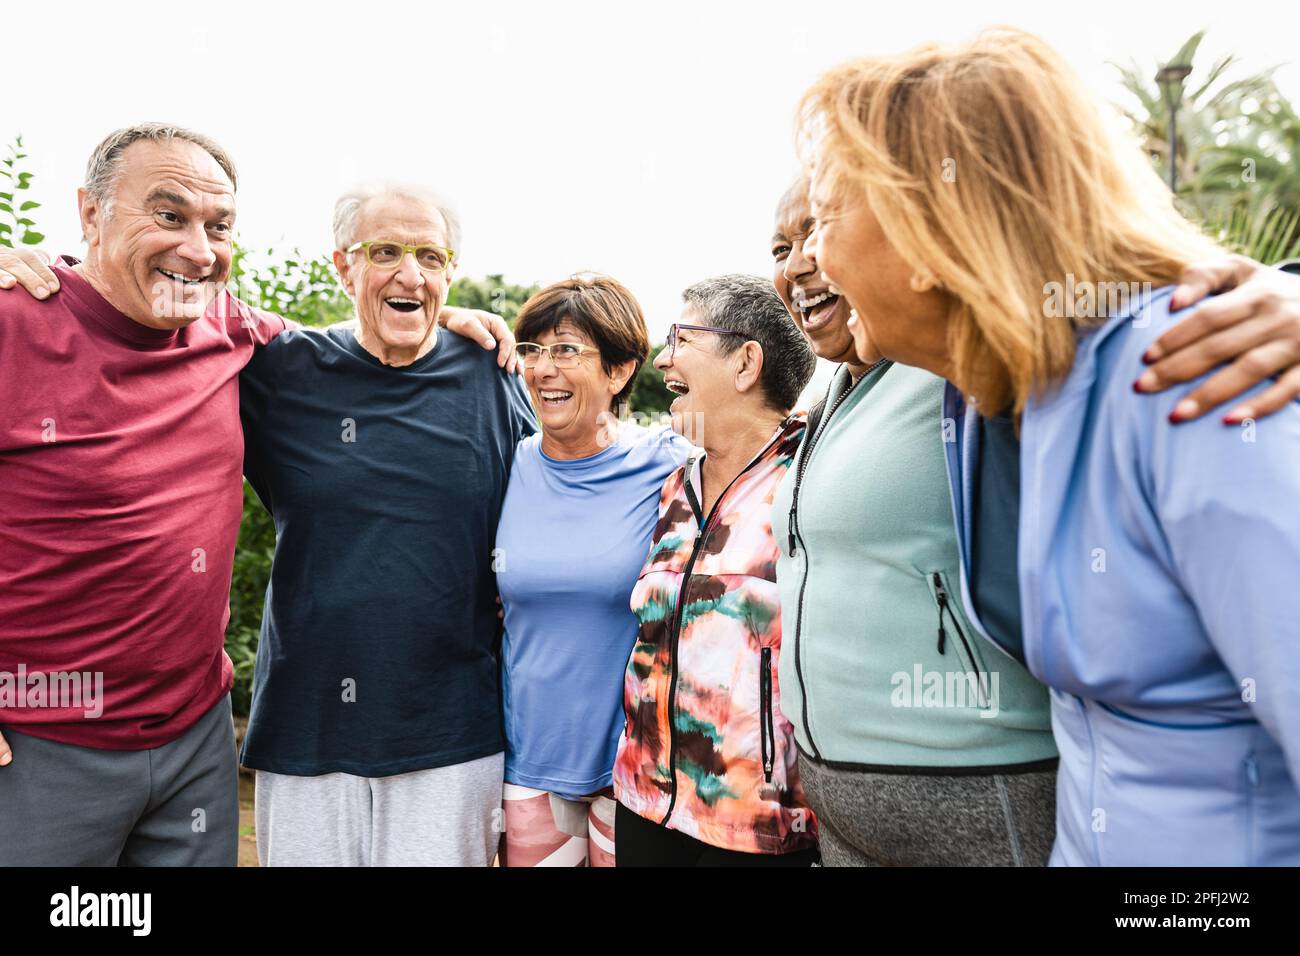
404,219
691,315
794,210
186,171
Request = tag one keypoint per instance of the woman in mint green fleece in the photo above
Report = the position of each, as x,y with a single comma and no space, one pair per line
919,742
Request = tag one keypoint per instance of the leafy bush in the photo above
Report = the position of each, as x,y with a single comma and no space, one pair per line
18,183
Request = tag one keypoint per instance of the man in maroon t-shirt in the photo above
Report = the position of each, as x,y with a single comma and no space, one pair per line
121,457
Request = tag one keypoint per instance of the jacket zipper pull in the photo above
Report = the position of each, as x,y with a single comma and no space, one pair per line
794,526
942,597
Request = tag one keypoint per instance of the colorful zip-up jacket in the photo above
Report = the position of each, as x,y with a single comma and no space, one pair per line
706,750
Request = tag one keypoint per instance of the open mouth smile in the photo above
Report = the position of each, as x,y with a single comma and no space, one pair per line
817,310
183,280
553,398
402,304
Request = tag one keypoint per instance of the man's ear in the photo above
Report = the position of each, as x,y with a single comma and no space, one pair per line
91,216
750,368
344,268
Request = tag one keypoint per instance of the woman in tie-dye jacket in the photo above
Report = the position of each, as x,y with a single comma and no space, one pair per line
706,773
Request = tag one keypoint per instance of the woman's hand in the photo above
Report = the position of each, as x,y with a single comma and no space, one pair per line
485,328
29,268
1254,325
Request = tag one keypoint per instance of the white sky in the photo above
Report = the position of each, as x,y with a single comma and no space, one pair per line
647,141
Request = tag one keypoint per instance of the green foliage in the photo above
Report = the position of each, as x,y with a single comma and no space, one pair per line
1239,140
1211,100
492,294
252,571
650,395
298,288
11,196
1266,234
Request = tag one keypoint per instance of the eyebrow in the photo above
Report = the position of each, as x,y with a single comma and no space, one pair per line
802,229
163,194
166,195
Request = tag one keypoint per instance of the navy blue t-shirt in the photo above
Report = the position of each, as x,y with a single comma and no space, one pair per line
378,644
995,545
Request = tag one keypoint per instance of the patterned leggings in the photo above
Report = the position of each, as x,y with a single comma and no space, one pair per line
544,829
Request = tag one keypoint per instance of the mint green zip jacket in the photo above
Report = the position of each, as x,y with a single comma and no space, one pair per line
880,668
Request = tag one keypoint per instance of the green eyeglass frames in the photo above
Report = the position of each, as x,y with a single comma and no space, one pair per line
385,254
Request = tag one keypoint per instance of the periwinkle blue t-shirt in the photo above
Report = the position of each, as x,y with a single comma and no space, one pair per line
572,540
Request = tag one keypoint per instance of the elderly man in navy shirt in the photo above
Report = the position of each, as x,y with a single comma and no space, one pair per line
382,451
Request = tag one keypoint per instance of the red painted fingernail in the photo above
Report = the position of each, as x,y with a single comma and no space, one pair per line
1137,386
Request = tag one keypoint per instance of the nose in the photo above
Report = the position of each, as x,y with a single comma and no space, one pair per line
808,248
797,264
409,272
550,369
196,249
664,359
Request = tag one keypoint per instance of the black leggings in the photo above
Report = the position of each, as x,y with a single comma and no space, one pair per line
639,842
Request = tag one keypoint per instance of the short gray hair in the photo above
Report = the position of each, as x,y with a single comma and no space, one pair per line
749,305
347,210
105,166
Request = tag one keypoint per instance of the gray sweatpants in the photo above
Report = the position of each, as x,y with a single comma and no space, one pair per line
448,816
882,819
175,805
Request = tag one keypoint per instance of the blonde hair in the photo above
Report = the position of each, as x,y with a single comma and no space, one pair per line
991,170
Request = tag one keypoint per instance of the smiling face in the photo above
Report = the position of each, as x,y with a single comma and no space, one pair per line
570,402
891,317
161,250
702,378
822,315
397,308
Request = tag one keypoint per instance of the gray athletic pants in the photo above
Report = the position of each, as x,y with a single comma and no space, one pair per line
448,816
175,805
882,819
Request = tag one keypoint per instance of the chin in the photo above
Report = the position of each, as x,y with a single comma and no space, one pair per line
395,339
830,346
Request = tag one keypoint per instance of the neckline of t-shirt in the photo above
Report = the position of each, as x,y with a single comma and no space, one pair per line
571,464
348,337
98,308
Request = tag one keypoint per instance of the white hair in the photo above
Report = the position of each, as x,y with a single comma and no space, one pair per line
347,210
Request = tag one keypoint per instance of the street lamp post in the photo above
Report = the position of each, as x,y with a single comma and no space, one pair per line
1170,79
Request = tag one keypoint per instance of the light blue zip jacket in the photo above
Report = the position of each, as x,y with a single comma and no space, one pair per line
1159,572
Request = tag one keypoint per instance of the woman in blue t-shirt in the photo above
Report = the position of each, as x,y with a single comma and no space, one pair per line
575,528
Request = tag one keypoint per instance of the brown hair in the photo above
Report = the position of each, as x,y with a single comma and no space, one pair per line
601,307
991,169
